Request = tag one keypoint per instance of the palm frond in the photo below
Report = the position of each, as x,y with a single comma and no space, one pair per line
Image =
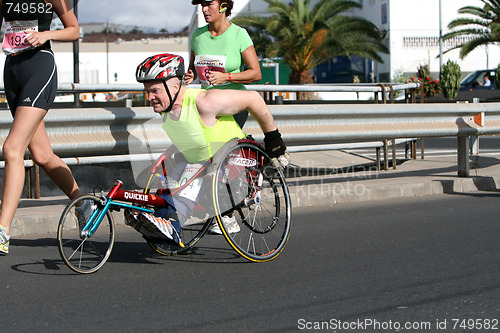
306,36
481,27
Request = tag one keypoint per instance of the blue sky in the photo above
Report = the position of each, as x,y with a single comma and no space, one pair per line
173,15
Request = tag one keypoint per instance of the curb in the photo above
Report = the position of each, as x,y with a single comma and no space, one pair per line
316,195
27,225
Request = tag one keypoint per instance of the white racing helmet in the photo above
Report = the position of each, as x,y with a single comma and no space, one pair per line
160,67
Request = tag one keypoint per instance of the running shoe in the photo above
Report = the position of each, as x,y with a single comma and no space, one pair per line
83,214
230,224
169,228
4,241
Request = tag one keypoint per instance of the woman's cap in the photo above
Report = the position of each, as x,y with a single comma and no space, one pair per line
197,2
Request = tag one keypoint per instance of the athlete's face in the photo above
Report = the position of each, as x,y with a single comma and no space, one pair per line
211,10
157,94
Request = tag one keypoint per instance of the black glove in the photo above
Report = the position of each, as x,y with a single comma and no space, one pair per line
276,149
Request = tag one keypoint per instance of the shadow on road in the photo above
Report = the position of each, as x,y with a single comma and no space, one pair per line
215,250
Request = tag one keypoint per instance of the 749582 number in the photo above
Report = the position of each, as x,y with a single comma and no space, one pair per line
29,8
475,324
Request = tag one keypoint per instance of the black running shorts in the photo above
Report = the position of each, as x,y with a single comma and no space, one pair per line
30,79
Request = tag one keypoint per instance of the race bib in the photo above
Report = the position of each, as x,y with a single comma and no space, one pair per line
208,63
15,36
191,191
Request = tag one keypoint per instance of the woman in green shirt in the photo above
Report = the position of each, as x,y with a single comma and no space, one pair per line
220,50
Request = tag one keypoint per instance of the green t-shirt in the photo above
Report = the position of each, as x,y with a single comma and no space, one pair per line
197,142
221,53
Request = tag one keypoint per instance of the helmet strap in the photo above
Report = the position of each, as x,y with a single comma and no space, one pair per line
172,101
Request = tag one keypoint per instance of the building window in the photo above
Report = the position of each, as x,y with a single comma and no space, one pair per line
426,42
384,13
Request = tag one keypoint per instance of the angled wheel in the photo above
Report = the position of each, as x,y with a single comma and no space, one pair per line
88,253
190,234
249,192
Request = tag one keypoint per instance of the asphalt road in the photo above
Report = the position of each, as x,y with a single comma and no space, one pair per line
429,263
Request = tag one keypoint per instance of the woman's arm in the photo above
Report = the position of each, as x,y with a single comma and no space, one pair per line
191,74
251,74
71,31
1,14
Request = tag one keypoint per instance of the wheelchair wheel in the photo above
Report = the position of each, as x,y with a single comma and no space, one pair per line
190,234
253,199
85,255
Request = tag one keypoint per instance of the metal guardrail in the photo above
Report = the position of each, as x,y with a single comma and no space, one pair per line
80,87
99,131
114,131
386,91
370,88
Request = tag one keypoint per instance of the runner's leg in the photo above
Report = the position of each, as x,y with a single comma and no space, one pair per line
26,122
54,167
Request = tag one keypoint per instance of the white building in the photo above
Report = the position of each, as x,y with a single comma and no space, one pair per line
116,62
102,63
413,28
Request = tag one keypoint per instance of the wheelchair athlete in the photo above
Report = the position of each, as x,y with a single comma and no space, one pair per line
199,122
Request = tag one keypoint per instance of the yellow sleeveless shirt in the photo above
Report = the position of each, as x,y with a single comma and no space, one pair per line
197,142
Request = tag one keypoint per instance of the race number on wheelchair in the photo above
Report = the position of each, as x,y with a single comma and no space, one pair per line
191,191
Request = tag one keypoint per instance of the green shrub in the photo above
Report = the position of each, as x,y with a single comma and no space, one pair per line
398,77
450,79
423,71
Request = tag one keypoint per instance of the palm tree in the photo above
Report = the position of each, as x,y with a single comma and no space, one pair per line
482,27
306,37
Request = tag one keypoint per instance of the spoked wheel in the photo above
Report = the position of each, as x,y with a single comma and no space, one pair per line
193,229
88,253
190,234
249,192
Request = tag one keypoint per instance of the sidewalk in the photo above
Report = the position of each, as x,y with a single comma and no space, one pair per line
412,178
319,187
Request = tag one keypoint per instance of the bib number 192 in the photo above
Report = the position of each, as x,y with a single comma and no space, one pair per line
17,40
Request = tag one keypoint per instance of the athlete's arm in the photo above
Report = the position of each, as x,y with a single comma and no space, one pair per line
249,75
214,103
191,74
217,102
252,72
71,31
1,14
